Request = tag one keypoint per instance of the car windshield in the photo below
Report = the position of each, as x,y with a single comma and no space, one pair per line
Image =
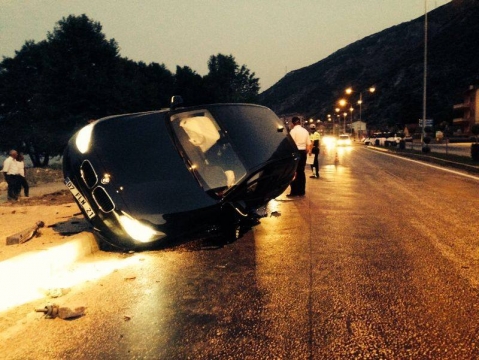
343,137
207,150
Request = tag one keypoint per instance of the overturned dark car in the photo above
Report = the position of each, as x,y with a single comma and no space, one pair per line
142,179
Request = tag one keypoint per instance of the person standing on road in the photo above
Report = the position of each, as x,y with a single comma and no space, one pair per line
301,138
10,171
315,138
22,180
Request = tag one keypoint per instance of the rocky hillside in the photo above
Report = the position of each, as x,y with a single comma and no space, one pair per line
393,61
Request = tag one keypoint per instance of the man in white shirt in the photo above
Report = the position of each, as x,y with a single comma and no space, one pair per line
10,170
301,137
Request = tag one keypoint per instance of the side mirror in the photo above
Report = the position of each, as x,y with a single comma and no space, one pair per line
176,101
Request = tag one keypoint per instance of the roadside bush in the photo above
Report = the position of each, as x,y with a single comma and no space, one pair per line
426,149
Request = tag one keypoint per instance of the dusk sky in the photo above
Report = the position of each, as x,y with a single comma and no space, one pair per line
270,37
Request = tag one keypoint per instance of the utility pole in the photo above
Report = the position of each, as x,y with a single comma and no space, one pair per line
425,76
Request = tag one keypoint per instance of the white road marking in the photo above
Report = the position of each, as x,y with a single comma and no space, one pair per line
432,166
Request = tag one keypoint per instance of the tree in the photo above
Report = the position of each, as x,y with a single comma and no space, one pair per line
190,86
22,96
156,87
227,82
51,88
81,71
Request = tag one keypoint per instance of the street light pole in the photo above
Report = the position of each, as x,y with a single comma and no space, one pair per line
351,109
423,133
339,118
343,103
360,103
360,113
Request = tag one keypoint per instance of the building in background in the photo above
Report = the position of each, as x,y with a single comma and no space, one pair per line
359,129
467,114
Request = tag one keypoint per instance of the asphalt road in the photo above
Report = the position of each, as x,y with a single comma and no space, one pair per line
380,260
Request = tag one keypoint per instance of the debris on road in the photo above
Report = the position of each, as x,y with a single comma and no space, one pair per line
53,311
72,227
25,235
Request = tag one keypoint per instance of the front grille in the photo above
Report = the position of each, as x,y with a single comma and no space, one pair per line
88,174
103,200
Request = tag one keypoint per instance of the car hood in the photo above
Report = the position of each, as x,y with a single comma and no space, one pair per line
152,172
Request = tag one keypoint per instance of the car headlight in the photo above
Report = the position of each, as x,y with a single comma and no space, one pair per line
83,138
137,230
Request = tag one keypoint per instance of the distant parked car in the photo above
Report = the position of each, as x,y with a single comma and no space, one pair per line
392,140
141,179
379,139
368,140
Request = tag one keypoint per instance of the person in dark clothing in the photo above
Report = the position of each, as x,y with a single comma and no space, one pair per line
301,138
315,140
315,165
21,179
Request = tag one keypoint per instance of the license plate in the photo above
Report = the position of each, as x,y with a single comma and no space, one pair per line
80,198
